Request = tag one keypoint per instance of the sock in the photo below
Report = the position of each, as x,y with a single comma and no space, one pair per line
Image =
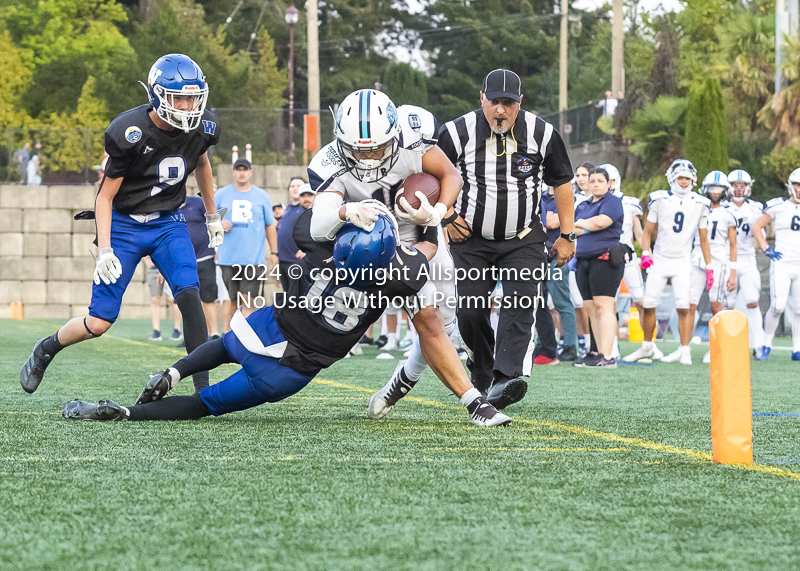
771,320
195,332
210,356
587,340
384,325
648,345
170,408
685,350
52,345
754,320
415,364
391,337
126,411
615,347
174,375
796,333
470,396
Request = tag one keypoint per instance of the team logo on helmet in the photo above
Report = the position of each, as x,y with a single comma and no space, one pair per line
133,134
415,122
391,116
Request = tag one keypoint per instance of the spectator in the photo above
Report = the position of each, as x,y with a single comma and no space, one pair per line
277,212
558,282
21,158
601,263
247,223
580,186
608,105
288,252
307,196
195,214
157,287
34,169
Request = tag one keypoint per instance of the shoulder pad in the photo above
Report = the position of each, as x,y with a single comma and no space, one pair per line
209,124
632,200
756,204
658,195
325,167
774,202
702,199
418,126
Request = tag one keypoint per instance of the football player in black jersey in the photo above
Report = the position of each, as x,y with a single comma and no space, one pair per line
322,316
151,149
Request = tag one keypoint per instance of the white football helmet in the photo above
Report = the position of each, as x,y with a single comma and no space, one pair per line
613,176
740,175
678,168
715,182
794,178
367,134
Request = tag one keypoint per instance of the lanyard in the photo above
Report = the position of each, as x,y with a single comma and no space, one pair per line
505,151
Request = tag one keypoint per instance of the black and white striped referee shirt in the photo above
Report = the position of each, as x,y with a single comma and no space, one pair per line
501,191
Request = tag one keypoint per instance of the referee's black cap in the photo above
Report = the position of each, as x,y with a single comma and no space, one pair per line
502,83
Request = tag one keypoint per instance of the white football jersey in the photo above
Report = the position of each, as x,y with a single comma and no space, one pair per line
327,171
677,217
631,206
745,215
786,219
719,220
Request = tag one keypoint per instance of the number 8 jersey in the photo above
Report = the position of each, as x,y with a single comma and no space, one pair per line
154,163
678,217
786,216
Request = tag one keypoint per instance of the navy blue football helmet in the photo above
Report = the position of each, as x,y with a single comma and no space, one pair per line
178,91
356,249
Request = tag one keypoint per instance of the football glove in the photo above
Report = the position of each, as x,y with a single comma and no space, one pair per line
425,215
108,268
709,279
361,215
772,254
647,261
216,234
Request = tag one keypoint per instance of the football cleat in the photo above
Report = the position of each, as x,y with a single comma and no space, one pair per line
763,353
390,345
507,392
33,370
382,402
795,355
640,353
405,342
102,411
356,350
484,414
673,357
657,354
686,358
158,385
381,341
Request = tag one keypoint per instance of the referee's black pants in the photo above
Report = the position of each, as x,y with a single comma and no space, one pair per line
502,358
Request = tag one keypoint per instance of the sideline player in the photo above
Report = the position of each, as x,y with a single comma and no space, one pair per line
377,146
722,245
152,149
784,267
676,213
282,347
748,278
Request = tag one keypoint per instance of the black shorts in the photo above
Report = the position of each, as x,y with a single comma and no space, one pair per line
240,284
207,274
597,277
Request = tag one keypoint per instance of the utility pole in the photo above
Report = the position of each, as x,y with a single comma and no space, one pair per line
313,63
786,24
617,49
562,68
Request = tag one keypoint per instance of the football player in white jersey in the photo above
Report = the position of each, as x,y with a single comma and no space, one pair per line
784,268
376,147
677,213
722,243
748,278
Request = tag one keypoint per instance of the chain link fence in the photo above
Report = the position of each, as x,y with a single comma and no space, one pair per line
578,125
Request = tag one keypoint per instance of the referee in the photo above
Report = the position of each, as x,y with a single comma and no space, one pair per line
504,155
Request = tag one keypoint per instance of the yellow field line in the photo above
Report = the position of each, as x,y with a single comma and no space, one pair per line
608,436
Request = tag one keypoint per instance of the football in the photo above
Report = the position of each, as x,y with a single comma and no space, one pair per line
419,182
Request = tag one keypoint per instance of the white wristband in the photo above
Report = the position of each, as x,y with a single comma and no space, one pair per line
646,253
732,265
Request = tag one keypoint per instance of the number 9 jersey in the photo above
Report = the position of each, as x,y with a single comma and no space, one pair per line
154,163
678,217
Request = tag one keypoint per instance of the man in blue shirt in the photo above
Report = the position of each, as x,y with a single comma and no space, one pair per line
195,214
288,252
248,222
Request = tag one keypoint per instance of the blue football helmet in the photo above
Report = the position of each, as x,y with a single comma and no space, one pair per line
178,91
356,249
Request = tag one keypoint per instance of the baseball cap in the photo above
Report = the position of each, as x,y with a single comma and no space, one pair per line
277,205
502,83
306,189
242,163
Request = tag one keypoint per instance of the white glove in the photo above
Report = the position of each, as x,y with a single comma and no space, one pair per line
361,215
425,215
214,226
108,267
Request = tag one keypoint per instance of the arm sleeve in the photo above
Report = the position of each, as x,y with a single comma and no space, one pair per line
557,168
325,221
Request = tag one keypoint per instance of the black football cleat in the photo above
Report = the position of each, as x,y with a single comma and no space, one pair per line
103,411
158,385
33,370
484,414
507,392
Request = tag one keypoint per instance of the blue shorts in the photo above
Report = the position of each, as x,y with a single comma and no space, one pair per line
261,379
165,240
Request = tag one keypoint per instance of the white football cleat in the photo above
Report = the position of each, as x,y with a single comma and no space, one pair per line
356,350
674,356
707,357
686,357
640,353
657,354
391,345
483,413
382,402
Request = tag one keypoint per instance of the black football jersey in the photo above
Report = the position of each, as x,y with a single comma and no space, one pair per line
319,336
153,163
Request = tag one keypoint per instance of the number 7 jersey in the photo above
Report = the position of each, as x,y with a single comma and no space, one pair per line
153,163
678,217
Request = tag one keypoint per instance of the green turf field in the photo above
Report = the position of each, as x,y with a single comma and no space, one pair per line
600,470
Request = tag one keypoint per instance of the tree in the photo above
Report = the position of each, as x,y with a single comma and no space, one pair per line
657,131
706,142
405,85
14,80
663,78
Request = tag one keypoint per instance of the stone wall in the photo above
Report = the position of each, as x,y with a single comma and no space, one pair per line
46,257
